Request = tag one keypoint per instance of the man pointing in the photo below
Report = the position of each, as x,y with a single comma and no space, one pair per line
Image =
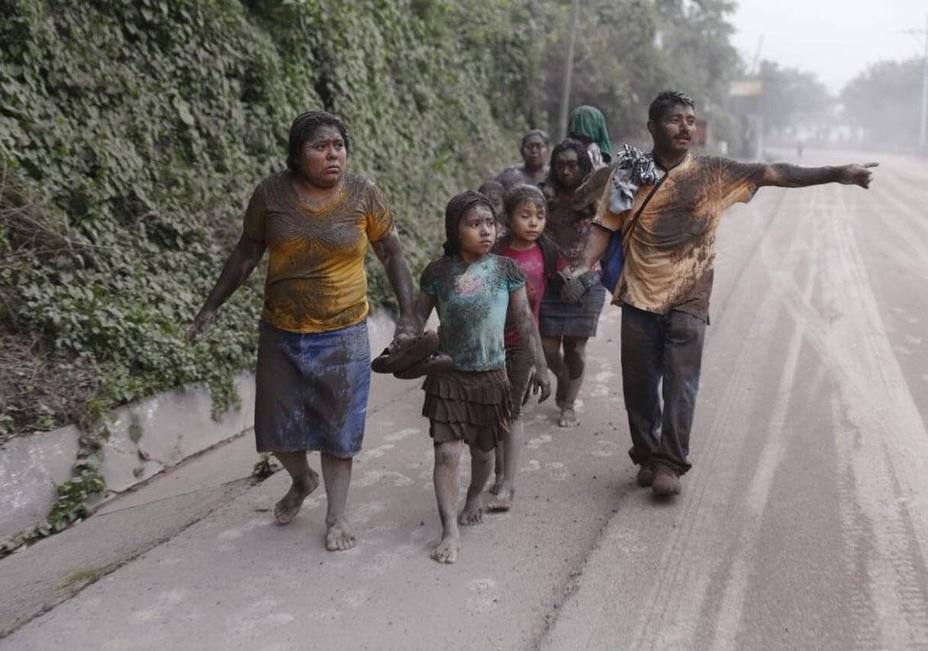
669,217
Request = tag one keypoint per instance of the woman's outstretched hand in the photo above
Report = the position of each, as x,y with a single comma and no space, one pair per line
201,324
407,329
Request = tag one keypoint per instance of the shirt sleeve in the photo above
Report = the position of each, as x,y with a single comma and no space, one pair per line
427,280
255,215
515,277
737,182
379,216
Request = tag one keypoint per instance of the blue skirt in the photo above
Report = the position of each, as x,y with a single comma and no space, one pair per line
560,319
311,390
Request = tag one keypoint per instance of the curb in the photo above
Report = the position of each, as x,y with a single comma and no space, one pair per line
146,438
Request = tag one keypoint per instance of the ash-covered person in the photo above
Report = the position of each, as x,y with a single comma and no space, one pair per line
588,125
538,259
566,325
534,167
476,294
496,193
313,375
668,204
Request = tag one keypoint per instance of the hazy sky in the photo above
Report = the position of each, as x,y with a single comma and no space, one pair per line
835,39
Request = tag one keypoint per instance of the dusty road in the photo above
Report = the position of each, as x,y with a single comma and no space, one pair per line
804,523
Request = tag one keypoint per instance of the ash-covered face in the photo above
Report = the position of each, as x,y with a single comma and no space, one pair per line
534,152
527,222
673,132
325,157
567,169
476,232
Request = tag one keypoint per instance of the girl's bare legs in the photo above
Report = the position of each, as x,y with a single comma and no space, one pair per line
552,350
479,473
445,477
574,366
499,465
305,480
512,447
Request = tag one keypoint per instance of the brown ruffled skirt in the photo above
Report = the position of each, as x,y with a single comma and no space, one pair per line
475,407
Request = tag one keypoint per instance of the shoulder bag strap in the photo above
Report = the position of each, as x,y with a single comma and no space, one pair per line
627,238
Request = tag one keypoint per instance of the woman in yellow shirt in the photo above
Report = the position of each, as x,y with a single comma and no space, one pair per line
316,220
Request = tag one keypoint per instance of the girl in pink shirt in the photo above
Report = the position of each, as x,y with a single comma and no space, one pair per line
538,258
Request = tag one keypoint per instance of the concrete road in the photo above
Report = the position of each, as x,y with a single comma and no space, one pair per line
804,523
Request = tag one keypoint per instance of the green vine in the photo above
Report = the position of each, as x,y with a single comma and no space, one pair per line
131,134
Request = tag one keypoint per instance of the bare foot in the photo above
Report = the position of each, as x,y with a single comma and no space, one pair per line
289,505
568,418
503,500
338,537
497,485
472,513
446,551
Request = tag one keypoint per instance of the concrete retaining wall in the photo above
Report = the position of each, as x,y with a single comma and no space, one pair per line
146,437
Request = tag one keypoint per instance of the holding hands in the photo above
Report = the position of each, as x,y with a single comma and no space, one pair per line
575,286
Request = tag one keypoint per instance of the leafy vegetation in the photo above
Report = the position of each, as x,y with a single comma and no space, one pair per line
884,101
131,134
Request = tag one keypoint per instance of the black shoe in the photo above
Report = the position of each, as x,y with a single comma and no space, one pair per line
645,476
665,483
435,364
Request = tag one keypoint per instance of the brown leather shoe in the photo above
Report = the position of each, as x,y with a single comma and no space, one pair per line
392,360
665,483
645,476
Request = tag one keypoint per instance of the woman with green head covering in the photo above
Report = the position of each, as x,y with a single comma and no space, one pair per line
588,125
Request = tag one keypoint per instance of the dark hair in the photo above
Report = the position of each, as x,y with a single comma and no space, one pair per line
459,205
535,132
304,127
521,193
666,101
491,186
549,251
583,160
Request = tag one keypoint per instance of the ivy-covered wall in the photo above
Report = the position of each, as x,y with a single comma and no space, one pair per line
132,132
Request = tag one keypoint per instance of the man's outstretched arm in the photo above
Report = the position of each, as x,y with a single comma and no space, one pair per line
785,175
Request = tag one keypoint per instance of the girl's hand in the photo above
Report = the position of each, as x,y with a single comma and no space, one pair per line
539,383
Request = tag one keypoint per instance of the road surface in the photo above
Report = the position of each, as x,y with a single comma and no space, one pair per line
804,523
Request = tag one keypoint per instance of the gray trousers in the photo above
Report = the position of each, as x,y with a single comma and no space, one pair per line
661,351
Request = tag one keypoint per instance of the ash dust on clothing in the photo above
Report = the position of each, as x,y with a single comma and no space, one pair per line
472,302
532,264
315,275
568,225
670,260
312,390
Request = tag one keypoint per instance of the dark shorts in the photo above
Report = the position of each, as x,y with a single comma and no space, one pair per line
560,319
311,390
519,365
474,407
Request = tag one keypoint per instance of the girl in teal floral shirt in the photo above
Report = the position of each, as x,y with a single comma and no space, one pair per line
475,293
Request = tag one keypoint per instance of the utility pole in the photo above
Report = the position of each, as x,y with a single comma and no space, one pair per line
923,125
569,68
923,116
